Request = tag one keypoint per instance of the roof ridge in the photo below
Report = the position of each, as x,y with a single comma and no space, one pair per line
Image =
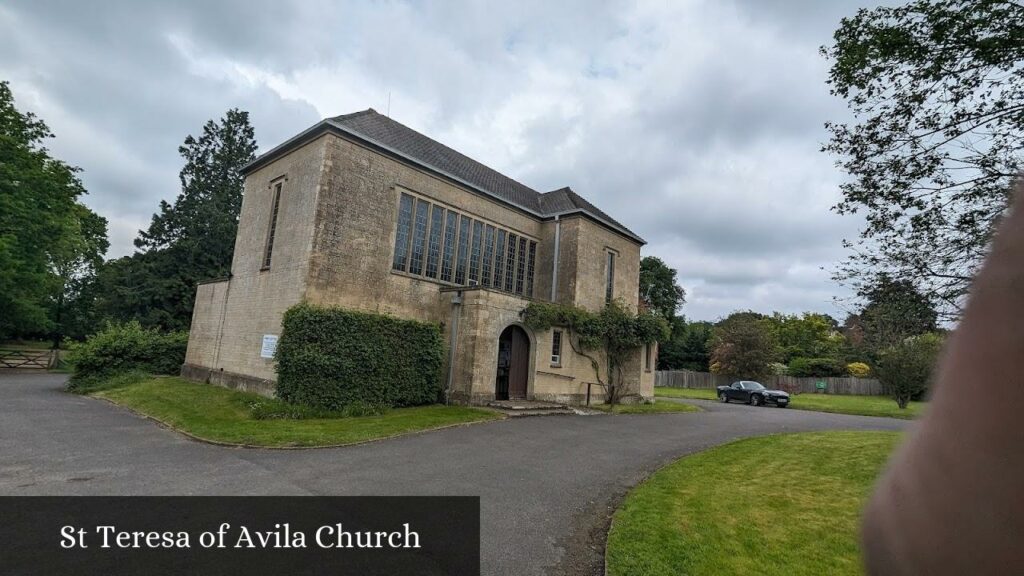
351,115
398,139
437,142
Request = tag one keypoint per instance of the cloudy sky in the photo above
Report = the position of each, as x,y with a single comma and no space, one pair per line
695,123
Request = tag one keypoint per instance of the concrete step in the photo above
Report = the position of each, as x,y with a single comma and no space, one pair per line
516,408
525,405
526,413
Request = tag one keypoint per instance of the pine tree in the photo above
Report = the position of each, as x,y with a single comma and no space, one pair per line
191,240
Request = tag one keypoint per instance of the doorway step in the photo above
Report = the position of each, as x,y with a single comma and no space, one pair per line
518,408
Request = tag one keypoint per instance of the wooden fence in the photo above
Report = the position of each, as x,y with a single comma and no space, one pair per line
689,379
27,359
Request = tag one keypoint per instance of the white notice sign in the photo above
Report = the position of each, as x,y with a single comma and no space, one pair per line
269,346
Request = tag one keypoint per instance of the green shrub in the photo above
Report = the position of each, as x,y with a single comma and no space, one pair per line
120,348
330,358
110,382
858,369
816,367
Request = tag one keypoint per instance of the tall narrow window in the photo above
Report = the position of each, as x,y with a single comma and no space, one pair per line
402,232
463,256
529,268
556,347
450,229
609,277
419,237
434,245
474,252
648,354
510,263
499,260
485,266
521,265
274,206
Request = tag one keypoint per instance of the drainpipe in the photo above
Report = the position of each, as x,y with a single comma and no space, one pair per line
554,261
456,312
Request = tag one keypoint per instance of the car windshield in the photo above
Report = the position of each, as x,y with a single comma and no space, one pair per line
752,386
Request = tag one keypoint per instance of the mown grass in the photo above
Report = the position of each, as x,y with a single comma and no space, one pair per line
222,415
834,403
658,407
785,505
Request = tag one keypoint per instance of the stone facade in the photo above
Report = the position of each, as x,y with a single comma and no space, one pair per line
334,244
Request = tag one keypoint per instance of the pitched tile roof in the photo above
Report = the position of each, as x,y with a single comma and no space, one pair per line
395,135
383,132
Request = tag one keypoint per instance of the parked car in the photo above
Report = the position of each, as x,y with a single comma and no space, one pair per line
752,393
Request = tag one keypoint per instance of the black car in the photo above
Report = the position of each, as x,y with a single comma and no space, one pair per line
753,393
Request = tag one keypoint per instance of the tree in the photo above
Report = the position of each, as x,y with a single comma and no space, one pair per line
742,346
658,288
686,347
808,335
46,234
937,91
906,368
192,239
75,260
895,311
614,333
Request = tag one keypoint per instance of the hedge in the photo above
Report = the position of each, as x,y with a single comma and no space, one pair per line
329,358
121,348
820,367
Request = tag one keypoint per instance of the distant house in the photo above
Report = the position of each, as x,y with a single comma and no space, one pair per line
362,212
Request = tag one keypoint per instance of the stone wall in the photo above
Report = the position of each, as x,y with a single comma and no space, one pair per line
484,315
254,299
207,320
334,246
355,233
592,242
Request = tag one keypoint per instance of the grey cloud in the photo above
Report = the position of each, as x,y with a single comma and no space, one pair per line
697,124
121,99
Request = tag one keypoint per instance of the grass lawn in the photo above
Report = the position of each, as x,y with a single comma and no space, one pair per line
659,407
862,405
786,504
222,415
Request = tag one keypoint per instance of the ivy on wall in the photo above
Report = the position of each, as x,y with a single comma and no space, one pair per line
614,331
331,357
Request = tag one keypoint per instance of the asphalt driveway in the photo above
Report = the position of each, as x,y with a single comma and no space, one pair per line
547,484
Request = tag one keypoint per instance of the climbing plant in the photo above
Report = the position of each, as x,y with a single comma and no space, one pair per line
615,331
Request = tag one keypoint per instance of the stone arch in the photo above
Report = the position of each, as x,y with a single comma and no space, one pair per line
517,347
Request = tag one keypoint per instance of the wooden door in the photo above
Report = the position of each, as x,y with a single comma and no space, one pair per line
513,364
519,366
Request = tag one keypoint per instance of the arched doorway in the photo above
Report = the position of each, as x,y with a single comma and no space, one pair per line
513,364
